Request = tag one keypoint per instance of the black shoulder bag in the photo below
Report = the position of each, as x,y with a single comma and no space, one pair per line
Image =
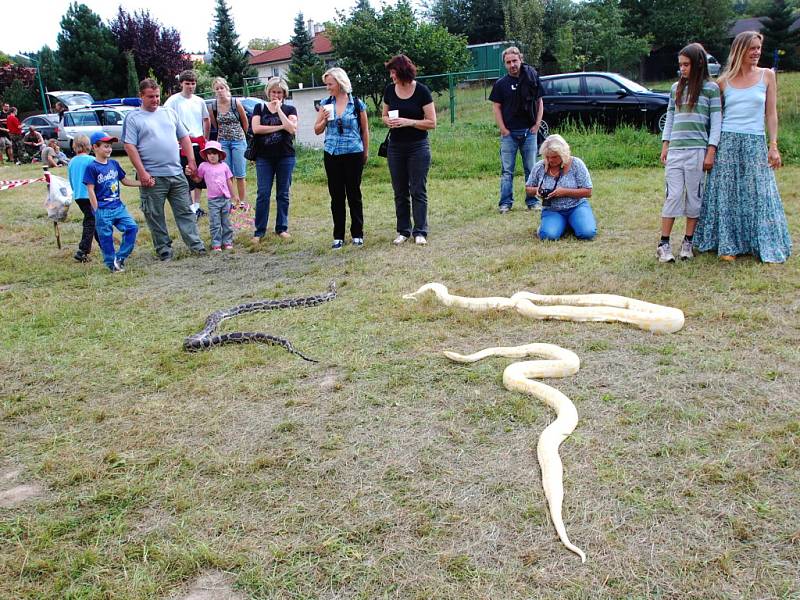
254,143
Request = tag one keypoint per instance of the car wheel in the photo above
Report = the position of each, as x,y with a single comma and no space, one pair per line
544,129
661,122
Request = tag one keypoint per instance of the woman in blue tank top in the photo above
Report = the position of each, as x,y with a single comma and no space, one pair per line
742,212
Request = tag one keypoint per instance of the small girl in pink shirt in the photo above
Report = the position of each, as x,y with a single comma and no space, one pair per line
220,185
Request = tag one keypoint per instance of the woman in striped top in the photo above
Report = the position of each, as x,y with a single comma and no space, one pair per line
689,145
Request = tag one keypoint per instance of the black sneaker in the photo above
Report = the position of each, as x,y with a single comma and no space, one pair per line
200,213
81,257
165,257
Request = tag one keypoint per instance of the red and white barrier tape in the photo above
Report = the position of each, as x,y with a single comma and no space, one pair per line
7,184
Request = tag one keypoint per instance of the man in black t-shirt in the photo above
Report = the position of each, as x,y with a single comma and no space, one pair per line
517,105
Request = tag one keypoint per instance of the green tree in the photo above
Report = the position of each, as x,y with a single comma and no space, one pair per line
48,63
480,21
365,39
306,68
564,50
132,77
87,54
228,59
263,44
675,23
777,36
22,96
604,42
523,21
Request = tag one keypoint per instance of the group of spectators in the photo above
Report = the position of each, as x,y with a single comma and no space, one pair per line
18,146
738,212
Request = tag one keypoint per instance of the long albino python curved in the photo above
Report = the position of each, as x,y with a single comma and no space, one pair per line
580,307
518,377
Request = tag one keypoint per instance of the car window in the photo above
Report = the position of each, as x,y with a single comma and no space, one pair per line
80,119
565,86
112,117
600,86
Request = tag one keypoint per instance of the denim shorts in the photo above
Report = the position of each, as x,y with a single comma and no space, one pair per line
234,149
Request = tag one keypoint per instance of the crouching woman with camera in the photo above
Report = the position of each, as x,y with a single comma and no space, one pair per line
563,183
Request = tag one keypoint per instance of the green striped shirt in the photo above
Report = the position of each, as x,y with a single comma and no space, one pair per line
698,126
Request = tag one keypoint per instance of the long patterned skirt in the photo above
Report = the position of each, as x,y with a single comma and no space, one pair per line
742,212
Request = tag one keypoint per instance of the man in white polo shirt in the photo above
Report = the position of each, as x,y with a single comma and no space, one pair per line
193,114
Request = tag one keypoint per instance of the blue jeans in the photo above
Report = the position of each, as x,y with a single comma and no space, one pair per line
219,221
580,219
280,169
524,141
105,220
234,156
409,163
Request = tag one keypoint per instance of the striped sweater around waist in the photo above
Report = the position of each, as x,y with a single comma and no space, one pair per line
695,127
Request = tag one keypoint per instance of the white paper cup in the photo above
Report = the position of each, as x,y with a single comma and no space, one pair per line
394,114
329,108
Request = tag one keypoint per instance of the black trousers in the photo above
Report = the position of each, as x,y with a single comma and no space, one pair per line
344,182
85,245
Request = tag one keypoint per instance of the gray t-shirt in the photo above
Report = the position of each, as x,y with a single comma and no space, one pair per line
155,136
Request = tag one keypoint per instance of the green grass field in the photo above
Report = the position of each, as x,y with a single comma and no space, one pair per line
384,470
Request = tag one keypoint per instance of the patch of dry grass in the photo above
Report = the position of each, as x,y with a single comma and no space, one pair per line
385,470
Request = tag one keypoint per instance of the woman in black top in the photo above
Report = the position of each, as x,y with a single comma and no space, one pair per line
274,126
409,112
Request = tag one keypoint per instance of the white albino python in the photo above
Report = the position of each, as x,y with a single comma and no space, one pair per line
518,376
580,307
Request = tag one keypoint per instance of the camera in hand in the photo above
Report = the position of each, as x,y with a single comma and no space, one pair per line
544,194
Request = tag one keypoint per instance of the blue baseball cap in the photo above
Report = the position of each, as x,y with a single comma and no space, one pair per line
102,136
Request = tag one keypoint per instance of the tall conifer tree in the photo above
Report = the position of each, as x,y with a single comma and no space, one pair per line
306,67
227,57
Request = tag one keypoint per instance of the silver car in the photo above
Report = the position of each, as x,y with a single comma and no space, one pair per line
85,121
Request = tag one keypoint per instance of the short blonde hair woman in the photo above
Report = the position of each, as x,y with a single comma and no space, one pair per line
564,185
340,77
276,83
343,119
274,125
555,144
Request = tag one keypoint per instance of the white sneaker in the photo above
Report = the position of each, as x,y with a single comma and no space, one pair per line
664,253
686,252
420,240
399,240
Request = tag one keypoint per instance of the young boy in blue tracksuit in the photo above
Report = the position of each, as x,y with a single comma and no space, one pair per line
102,179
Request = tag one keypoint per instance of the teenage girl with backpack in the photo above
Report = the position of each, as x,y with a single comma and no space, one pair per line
229,118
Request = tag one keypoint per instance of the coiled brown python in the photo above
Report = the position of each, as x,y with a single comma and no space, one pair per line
206,339
517,376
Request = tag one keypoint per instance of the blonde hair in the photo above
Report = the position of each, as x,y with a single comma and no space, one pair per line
276,82
220,81
339,76
739,47
555,144
81,144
